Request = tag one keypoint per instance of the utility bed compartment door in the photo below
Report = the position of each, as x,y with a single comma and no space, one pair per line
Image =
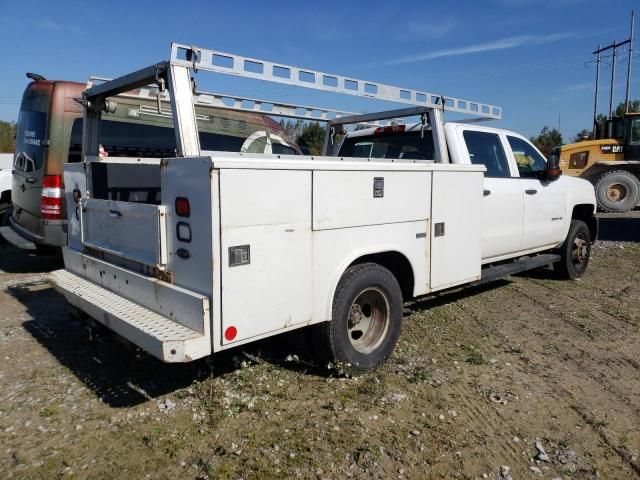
130,230
360,198
456,229
266,251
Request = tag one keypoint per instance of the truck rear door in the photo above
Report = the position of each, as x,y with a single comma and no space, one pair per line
31,152
502,212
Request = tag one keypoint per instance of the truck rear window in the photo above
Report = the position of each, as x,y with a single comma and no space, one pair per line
407,146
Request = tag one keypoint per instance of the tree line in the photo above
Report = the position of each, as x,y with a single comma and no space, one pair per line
7,137
308,135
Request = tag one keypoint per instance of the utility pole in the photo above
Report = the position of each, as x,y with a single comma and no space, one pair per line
613,79
614,46
626,98
595,104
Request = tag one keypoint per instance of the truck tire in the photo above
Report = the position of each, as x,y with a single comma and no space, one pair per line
366,320
617,191
575,252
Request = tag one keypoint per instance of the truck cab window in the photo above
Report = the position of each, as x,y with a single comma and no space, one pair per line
407,146
486,149
529,161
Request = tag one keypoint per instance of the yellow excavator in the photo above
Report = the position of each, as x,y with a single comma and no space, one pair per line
611,162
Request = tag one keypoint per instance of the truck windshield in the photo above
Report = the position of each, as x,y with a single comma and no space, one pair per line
408,146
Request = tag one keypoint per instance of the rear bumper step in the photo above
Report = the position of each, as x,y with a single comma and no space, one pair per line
158,335
15,239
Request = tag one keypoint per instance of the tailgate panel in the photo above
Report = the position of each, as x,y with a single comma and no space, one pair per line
130,230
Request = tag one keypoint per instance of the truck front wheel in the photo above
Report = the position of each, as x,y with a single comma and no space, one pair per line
618,191
575,252
367,319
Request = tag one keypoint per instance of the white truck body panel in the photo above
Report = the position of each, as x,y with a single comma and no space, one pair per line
342,199
456,254
269,210
6,164
6,161
122,238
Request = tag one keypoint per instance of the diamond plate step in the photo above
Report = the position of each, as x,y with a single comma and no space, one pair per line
158,335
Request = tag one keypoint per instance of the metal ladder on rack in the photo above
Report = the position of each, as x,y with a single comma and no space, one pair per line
185,58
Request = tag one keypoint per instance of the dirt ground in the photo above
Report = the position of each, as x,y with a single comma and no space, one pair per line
478,378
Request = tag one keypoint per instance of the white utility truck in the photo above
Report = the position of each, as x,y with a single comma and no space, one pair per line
240,247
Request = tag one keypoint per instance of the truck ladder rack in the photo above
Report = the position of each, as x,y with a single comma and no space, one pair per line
231,64
235,102
175,75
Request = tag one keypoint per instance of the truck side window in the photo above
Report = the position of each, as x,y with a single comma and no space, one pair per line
529,161
486,149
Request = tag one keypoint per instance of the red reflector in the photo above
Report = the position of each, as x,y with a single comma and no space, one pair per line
230,333
51,197
182,207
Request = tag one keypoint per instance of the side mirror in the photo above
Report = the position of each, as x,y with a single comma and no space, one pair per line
552,172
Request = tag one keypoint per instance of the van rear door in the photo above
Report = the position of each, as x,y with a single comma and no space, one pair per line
31,151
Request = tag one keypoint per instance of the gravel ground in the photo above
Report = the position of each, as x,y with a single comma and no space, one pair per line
525,378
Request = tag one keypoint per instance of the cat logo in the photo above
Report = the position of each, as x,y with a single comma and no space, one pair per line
612,148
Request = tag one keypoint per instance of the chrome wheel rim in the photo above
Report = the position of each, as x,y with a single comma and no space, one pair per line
580,251
369,320
616,192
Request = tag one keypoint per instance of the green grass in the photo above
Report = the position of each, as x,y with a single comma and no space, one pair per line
47,412
475,356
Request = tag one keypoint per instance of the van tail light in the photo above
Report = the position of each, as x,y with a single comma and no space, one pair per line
51,198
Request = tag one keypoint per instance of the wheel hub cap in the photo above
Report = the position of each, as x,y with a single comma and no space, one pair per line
616,192
580,249
369,319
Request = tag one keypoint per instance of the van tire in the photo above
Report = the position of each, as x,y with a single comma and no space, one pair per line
366,320
574,252
4,216
617,191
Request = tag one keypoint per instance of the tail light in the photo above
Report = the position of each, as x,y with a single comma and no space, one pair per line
51,198
183,209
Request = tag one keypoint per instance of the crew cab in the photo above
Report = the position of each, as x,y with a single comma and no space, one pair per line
524,210
200,252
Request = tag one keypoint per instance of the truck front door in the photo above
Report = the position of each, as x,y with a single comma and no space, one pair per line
544,201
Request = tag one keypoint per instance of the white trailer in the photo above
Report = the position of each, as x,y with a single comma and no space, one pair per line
244,246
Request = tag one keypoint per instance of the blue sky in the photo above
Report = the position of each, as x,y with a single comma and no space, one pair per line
528,56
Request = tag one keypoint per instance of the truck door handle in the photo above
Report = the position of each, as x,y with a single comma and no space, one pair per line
30,180
114,213
531,191
486,193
